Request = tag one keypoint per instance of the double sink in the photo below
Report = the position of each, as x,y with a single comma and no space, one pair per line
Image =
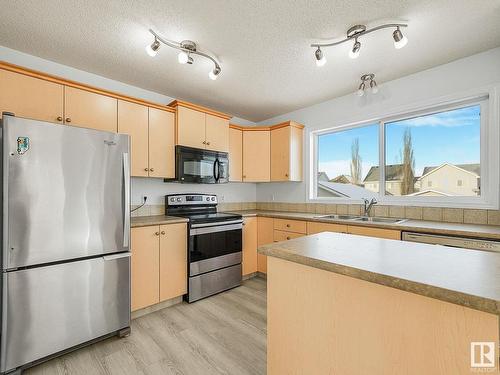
388,220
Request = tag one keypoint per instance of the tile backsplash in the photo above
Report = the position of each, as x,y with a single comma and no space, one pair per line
451,215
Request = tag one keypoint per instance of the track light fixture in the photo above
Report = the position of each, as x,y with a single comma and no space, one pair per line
367,79
357,31
187,49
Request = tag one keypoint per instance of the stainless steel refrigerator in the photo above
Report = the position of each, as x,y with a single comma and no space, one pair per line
65,239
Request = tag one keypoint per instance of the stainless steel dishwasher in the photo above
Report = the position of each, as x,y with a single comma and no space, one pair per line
453,241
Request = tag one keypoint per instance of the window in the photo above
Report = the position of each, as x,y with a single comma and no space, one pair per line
347,160
434,155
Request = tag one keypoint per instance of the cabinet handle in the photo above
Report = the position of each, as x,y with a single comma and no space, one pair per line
244,176
163,232
146,169
157,233
151,169
286,174
204,142
208,143
68,119
59,118
288,225
287,238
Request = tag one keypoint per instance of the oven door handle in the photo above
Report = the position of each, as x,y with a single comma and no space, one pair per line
220,223
215,229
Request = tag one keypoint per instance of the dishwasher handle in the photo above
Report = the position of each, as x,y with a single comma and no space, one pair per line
453,241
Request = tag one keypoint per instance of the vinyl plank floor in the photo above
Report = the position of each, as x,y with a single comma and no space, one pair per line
223,334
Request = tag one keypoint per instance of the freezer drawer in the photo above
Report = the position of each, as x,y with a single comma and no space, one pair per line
53,308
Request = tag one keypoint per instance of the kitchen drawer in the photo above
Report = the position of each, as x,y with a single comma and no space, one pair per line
280,235
315,227
296,226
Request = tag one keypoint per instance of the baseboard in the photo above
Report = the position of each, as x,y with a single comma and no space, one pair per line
159,306
262,275
249,276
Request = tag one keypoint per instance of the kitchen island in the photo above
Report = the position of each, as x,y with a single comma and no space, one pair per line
344,304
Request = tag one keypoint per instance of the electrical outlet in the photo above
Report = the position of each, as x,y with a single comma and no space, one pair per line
144,198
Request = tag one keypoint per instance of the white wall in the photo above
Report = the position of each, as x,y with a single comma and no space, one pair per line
406,93
155,189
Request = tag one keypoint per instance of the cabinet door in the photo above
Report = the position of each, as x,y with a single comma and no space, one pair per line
249,262
314,227
145,269
190,128
265,233
235,154
90,110
280,235
133,120
30,97
256,156
173,261
161,143
217,133
280,154
390,234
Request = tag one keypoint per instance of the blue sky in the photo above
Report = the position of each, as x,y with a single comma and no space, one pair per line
452,136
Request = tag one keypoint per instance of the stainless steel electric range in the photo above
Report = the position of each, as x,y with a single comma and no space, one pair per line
214,244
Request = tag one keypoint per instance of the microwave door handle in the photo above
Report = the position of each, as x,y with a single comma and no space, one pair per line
215,169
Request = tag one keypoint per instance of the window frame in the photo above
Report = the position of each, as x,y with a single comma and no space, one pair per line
489,142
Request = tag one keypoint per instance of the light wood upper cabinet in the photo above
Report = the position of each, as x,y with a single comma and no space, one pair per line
161,143
235,154
90,110
145,268
31,97
133,120
265,235
216,133
173,261
286,153
256,156
249,261
190,127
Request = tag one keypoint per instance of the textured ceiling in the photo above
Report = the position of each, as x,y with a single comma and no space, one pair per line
268,67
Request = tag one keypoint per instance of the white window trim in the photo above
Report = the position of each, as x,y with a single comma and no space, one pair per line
489,159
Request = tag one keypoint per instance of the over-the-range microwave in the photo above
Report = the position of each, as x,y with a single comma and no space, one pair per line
198,166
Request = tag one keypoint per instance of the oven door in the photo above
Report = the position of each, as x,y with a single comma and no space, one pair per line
214,245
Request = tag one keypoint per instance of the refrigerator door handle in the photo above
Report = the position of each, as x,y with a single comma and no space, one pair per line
116,256
126,211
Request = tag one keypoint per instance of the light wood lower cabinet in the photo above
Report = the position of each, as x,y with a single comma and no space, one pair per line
249,262
390,234
90,110
31,97
265,233
159,264
145,269
173,261
316,227
235,154
280,235
297,226
256,156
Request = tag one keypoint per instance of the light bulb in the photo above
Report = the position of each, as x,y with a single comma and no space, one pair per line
354,53
373,86
183,57
361,90
152,49
320,58
399,39
214,74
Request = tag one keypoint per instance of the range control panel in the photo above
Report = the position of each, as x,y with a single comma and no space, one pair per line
190,199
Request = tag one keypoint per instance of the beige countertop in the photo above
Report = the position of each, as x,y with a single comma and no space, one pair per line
144,221
469,278
421,226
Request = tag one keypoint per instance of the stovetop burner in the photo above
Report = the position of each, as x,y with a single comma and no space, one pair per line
198,208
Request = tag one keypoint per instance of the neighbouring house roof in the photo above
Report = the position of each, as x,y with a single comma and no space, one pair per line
471,168
429,191
343,179
346,190
393,172
322,176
